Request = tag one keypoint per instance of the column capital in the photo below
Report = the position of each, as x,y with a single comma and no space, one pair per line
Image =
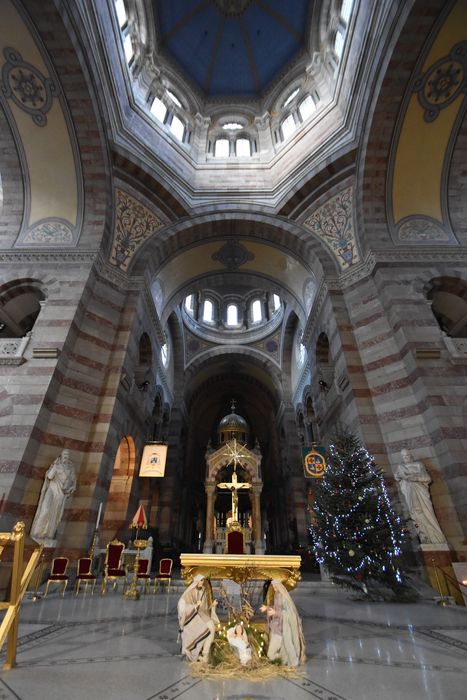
210,487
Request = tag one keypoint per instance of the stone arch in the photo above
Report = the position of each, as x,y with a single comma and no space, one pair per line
121,499
276,231
20,305
449,304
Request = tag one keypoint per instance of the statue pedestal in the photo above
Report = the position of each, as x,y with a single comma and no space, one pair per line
437,560
460,569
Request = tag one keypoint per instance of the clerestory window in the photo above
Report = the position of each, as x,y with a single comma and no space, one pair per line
208,311
232,315
256,311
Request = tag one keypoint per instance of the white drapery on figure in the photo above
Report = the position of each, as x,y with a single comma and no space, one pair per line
238,639
286,640
196,620
59,483
414,481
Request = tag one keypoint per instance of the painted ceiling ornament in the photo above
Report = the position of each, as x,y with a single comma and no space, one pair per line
27,87
333,223
134,223
443,82
49,232
421,228
233,255
232,8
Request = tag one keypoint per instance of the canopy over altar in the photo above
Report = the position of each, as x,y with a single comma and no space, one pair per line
242,567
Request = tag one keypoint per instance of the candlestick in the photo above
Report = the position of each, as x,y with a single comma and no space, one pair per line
98,516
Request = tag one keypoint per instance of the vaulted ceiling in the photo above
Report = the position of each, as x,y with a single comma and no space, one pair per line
230,47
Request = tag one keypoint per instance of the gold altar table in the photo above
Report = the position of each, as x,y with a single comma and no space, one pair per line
242,567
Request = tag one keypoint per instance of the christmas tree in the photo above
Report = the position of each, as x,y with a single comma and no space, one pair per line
357,535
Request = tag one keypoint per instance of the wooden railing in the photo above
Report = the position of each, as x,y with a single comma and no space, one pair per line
18,586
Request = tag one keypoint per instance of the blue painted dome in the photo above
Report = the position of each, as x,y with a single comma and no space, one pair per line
232,47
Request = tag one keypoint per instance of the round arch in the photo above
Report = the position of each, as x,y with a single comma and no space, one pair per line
121,499
275,231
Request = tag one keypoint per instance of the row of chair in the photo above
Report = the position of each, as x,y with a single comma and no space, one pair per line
114,571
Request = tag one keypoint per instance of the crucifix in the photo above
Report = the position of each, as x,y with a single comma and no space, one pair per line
234,487
234,452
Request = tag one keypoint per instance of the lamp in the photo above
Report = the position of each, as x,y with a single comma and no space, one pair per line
139,522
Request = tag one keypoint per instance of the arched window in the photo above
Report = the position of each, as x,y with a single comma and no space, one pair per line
276,301
307,107
159,109
143,368
121,13
256,311
322,350
289,99
288,126
177,127
128,47
301,350
346,9
232,315
19,307
232,126
449,305
243,147
221,148
208,311
174,98
165,354
190,304
339,42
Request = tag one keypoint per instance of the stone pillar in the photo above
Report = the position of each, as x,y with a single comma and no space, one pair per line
257,529
210,490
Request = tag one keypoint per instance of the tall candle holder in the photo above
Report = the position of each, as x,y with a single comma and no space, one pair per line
139,522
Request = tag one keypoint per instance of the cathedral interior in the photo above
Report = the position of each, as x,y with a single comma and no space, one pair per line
231,219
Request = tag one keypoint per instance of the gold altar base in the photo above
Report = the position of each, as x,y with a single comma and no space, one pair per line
242,567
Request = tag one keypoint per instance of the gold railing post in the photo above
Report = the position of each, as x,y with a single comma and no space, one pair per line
18,539
19,584
442,598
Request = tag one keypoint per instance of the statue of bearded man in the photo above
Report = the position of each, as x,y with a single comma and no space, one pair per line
59,483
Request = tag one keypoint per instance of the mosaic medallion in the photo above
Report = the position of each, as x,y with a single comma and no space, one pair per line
27,87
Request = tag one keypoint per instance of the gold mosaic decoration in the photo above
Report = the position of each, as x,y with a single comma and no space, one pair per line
134,224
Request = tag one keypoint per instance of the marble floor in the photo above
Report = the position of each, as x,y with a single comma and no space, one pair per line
108,648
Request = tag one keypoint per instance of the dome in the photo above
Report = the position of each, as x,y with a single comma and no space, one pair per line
233,426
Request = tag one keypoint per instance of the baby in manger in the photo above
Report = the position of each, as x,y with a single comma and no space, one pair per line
238,639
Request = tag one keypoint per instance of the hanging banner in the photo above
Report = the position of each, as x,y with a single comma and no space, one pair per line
314,463
153,460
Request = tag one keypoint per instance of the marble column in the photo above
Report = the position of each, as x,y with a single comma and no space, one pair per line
257,529
210,491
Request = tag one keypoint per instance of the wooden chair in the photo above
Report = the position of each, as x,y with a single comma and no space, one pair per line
58,574
164,575
113,569
85,574
143,574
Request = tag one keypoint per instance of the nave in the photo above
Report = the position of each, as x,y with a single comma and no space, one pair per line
108,648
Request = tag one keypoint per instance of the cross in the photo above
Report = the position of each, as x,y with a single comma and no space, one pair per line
234,487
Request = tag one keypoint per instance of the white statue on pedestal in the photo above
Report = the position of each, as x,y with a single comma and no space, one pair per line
59,483
414,481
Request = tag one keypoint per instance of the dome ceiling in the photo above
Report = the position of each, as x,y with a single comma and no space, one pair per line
232,47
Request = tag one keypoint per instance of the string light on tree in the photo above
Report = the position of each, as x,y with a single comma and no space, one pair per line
356,532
